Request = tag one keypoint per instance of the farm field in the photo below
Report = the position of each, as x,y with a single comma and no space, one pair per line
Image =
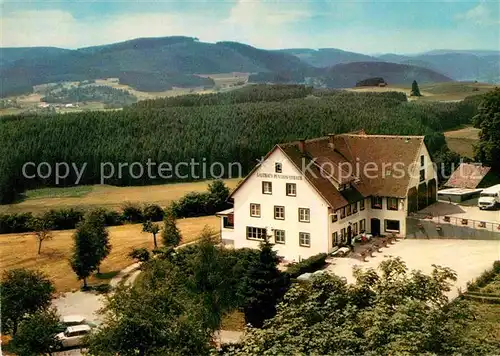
105,196
20,250
462,140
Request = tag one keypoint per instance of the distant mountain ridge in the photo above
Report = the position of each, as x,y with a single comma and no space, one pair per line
158,64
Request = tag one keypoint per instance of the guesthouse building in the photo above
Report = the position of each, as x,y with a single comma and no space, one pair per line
310,196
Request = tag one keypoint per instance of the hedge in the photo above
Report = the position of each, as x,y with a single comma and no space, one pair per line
308,265
485,277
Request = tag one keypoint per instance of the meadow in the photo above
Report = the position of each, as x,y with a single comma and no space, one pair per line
20,250
462,140
104,196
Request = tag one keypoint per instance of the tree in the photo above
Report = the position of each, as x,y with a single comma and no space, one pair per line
37,334
171,235
158,316
23,292
488,120
218,195
91,246
153,212
415,91
140,254
264,285
389,312
152,228
42,228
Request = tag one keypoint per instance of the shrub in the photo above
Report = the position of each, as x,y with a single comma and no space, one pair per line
153,212
140,254
485,277
11,223
131,213
308,265
112,218
201,204
62,219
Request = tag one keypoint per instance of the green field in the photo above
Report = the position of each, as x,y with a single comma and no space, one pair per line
73,192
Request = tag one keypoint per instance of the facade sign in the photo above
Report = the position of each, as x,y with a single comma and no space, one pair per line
278,176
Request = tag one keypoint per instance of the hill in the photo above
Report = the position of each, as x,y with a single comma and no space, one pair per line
482,66
9,55
155,64
348,74
328,57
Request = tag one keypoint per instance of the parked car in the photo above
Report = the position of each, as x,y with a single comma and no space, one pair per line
73,320
489,198
74,336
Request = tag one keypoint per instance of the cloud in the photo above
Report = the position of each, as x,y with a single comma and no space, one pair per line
256,22
481,14
263,24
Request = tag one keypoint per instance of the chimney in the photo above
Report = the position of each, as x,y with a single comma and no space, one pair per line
302,146
331,141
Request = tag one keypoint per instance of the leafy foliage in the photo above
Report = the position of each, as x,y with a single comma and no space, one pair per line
91,246
264,286
42,231
132,212
488,120
152,228
152,212
23,292
36,335
171,235
310,264
140,254
392,311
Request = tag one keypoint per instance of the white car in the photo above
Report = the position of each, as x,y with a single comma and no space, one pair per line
490,197
74,336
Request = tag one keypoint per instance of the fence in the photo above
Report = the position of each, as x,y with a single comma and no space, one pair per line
449,227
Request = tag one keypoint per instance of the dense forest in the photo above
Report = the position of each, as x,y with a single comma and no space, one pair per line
222,132
112,97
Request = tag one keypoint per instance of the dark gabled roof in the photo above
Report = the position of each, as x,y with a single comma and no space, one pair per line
340,160
467,176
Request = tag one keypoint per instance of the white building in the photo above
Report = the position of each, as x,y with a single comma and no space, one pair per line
313,195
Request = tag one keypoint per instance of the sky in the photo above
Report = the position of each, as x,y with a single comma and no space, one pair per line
368,26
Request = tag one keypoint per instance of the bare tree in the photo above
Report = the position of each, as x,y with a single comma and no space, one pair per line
43,231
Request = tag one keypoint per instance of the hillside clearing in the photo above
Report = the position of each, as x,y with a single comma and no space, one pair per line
462,141
105,196
449,91
20,250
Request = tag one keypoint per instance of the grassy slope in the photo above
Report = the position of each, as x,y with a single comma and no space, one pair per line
106,196
462,141
20,250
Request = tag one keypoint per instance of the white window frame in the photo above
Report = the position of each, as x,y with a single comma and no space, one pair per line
304,215
255,210
304,239
279,212
279,236
266,184
256,233
289,191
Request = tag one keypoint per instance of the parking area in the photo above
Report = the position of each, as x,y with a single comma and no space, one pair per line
442,209
469,258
